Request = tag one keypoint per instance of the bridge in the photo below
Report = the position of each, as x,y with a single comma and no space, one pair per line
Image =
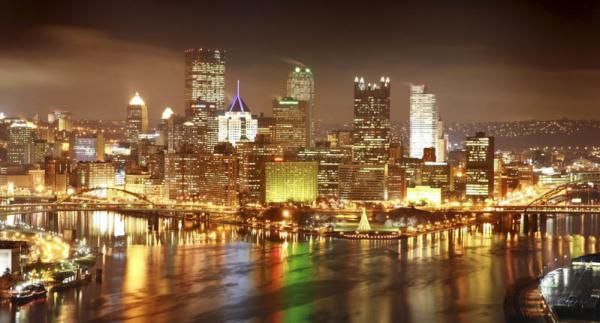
557,200
78,201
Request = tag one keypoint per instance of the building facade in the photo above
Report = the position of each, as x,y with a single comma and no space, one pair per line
301,86
292,123
204,73
426,127
480,167
371,136
294,181
237,123
137,119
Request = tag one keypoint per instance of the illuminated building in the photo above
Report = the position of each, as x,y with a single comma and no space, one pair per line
219,181
90,148
165,128
266,126
206,126
426,128
204,72
95,174
424,195
38,150
340,138
252,159
136,183
183,173
396,183
237,123
329,159
371,136
21,135
291,181
413,167
301,86
363,182
137,119
292,123
57,172
437,175
480,166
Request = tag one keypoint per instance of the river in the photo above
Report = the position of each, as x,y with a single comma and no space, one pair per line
211,273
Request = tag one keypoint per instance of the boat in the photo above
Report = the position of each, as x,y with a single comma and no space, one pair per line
25,294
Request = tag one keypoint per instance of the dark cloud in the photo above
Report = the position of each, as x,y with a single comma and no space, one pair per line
486,60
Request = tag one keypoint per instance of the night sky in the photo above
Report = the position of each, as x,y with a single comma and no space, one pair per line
486,60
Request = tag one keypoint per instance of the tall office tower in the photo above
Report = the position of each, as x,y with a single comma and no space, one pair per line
292,123
206,126
204,77
21,135
329,159
63,120
137,119
441,144
266,126
237,123
480,167
301,86
371,136
425,124
166,128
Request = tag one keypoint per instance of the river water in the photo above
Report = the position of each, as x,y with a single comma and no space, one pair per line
208,273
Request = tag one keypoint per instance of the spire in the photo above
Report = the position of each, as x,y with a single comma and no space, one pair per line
237,104
136,100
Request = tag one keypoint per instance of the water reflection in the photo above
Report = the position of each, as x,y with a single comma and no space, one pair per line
200,272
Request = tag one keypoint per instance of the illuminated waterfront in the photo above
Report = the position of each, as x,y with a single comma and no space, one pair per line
188,273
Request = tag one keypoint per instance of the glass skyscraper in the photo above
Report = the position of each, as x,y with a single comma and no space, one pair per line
371,137
426,128
204,77
301,86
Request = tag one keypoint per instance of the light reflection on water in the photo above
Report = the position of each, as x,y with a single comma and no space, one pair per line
196,272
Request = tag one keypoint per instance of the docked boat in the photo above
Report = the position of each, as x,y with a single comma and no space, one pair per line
25,294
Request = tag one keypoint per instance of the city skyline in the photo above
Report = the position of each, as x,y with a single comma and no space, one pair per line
470,72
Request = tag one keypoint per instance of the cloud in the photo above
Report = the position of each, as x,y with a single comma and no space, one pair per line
88,72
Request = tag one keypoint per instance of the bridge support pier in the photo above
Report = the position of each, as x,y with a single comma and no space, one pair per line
153,224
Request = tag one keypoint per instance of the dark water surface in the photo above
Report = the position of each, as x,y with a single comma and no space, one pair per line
215,274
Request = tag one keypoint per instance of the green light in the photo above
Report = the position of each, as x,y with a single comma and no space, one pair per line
288,102
297,69
307,70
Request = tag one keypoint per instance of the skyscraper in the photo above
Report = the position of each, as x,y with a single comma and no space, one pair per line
206,126
237,123
371,137
21,135
204,77
301,86
292,123
480,167
426,128
137,119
